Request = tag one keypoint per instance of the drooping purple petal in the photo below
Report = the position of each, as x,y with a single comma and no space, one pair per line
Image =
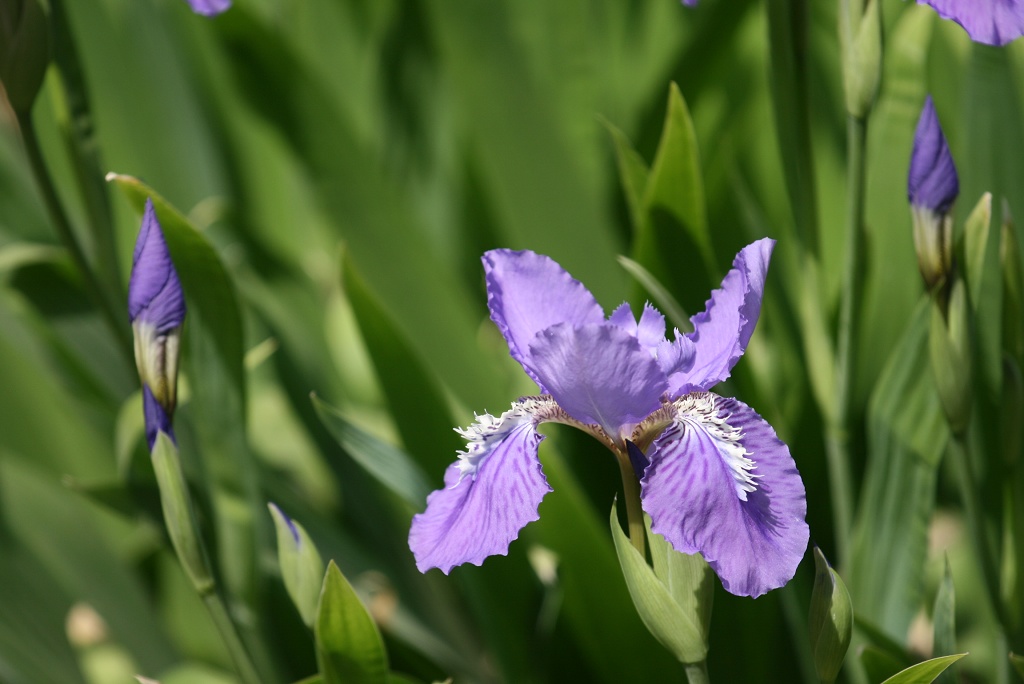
598,374
478,513
156,418
209,7
155,296
528,292
993,22
932,182
722,330
720,482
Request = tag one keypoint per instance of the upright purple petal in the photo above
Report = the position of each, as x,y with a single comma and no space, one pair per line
209,7
155,296
720,482
490,494
993,22
932,182
156,418
598,374
722,330
528,292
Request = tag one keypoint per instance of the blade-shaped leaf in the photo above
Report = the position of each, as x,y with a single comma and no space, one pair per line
924,673
390,465
349,649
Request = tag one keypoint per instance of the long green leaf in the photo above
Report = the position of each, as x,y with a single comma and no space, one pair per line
389,465
906,438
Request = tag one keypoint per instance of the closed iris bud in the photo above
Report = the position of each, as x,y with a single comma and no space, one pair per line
932,187
156,309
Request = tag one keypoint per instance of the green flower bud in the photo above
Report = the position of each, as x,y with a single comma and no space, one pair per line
860,32
950,352
301,567
24,51
830,620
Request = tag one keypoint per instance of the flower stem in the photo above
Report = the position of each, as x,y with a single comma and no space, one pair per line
218,611
59,218
634,511
697,673
838,441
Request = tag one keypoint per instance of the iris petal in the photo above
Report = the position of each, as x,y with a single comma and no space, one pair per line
528,292
479,513
993,22
722,330
598,374
209,7
704,495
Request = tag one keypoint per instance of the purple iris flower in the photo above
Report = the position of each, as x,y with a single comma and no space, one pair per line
714,477
156,309
932,187
993,22
209,7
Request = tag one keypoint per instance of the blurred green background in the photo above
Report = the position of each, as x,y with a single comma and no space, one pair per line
349,161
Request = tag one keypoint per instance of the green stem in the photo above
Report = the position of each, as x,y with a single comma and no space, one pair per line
838,440
218,611
979,534
116,322
697,673
634,511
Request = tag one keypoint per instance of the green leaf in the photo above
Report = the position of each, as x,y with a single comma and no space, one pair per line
688,578
349,649
830,622
675,182
790,92
944,621
879,664
178,513
391,466
907,436
633,174
1018,664
413,395
661,296
678,630
924,673
301,566
976,244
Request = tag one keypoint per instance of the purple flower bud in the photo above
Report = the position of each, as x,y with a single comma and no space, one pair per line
209,7
155,297
156,309
932,182
157,420
932,186
993,22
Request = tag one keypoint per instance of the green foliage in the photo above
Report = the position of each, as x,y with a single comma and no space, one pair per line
328,173
668,608
924,673
348,645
